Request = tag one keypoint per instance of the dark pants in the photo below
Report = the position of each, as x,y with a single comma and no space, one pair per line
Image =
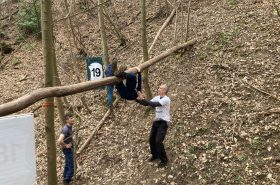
129,90
158,132
69,164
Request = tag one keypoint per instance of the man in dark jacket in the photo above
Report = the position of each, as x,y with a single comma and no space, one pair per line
66,141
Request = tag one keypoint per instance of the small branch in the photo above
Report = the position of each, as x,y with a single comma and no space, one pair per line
271,111
276,7
170,4
161,29
69,16
260,90
175,30
188,21
99,125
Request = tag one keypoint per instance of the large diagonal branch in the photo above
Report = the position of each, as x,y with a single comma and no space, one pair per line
58,91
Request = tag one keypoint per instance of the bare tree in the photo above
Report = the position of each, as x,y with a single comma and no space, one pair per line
103,33
145,50
47,39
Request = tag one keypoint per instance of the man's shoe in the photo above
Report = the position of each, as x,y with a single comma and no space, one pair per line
162,164
152,159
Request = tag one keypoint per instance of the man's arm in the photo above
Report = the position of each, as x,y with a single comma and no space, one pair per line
148,103
140,99
62,143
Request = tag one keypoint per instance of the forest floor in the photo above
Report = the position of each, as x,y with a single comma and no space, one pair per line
223,91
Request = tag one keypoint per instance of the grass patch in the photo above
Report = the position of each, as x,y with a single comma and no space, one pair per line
29,46
233,2
15,61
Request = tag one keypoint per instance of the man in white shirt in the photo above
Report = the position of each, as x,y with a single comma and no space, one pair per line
160,124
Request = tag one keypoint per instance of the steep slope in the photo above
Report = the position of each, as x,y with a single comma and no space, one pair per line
217,134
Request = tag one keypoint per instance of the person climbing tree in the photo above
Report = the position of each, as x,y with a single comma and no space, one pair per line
130,89
66,141
160,124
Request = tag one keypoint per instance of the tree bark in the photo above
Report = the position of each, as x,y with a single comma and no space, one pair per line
188,21
39,94
58,101
145,50
57,82
103,33
47,39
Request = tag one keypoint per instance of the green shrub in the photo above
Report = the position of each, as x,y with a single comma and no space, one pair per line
29,19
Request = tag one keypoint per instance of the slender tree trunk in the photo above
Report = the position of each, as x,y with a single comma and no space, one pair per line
57,82
103,34
78,47
77,40
182,23
188,21
145,50
47,39
116,29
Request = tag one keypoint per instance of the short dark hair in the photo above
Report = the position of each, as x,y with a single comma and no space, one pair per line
68,116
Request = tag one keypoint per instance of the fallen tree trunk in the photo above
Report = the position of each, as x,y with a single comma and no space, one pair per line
42,93
99,125
162,28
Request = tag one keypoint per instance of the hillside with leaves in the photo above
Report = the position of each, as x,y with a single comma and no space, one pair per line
224,90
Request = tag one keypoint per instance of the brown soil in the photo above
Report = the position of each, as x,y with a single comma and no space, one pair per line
217,134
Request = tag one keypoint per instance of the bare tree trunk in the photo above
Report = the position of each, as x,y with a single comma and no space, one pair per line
175,30
57,82
74,63
103,34
145,50
47,39
161,29
99,125
182,23
39,94
188,21
116,29
77,41
58,101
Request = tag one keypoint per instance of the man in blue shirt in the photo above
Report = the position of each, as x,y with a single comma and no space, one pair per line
66,141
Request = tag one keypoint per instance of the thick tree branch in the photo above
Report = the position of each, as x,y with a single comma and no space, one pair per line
39,94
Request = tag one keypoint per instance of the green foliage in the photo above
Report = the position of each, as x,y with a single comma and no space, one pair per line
29,19
29,46
15,61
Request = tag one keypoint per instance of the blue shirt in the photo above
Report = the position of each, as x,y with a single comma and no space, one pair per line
67,132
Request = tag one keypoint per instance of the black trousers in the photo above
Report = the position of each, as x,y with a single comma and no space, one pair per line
129,90
157,135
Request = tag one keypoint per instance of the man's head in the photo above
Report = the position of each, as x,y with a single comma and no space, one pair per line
163,89
69,118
